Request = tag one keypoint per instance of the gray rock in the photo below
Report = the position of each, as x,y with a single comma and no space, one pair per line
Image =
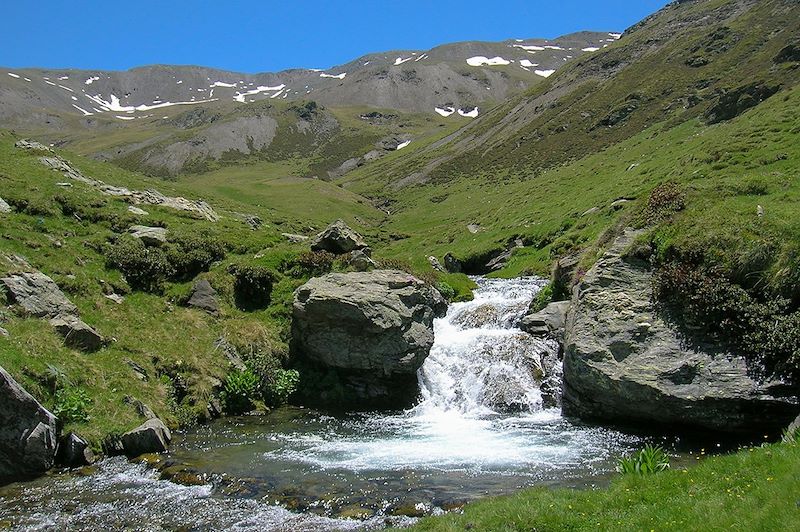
624,363
77,334
152,436
25,144
793,430
452,264
548,322
116,298
374,330
338,238
204,297
5,208
137,211
620,203
294,239
74,451
361,261
474,228
28,437
38,295
435,264
150,236
3,333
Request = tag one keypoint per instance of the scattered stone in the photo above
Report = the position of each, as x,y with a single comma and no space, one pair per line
65,185
473,228
25,144
152,436
77,334
137,211
3,333
590,211
624,363
548,322
499,262
116,298
74,451
338,238
618,204
435,264
38,295
373,330
452,264
27,432
632,166
250,219
150,236
204,297
360,260
760,211
294,239
5,208
142,409
140,372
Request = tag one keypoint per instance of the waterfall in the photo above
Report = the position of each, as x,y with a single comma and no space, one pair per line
481,364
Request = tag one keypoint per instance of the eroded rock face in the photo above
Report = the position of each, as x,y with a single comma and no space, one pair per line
338,238
28,437
38,295
372,329
624,363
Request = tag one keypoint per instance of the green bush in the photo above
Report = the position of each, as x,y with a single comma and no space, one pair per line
252,286
281,387
665,200
71,405
239,391
145,268
651,459
192,254
311,263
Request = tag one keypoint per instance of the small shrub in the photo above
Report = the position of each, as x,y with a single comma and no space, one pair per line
283,384
144,268
311,263
543,298
71,405
665,200
395,264
647,461
447,291
252,286
239,391
753,187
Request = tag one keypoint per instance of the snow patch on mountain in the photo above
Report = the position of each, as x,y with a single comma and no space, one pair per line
480,60
334,76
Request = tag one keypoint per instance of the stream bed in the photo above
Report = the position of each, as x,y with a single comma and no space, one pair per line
483,426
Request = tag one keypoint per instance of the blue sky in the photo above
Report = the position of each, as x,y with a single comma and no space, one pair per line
259,36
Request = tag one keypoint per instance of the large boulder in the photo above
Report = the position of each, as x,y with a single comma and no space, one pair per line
338,238
624,363
28,437
152,436
38,295
373,330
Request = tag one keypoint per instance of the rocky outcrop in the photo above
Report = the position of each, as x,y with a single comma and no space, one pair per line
152,436
338,238
28,435
373,330
624,363
74,451
37,295
435,264
150,236
360,260
452,264
77,334
548,322
145,197
204,297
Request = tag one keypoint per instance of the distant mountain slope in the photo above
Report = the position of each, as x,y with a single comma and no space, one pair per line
453,78
695,58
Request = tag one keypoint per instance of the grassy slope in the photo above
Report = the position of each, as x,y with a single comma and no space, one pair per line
754,489
147,329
